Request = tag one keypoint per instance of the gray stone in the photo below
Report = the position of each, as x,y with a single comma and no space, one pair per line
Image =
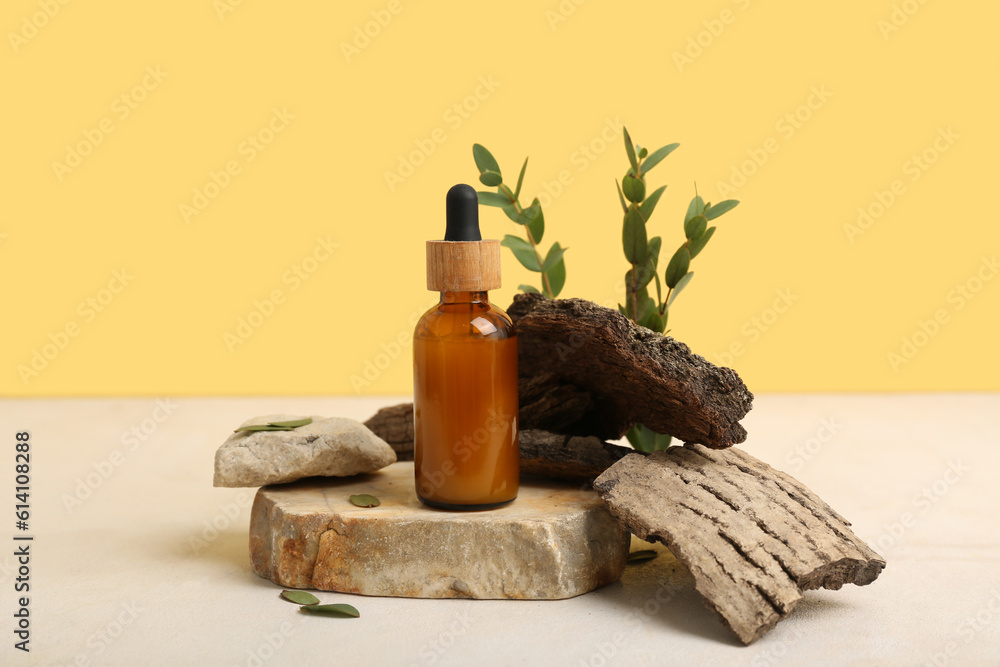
554,541
334,447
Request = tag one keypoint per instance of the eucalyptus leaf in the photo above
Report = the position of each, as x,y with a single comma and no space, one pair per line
528,289
485,160
715,211
520,179
621,197
695,227
365,500
656,156
510,211
681,284
293,423
332,610
522,251
553,257
300,597
633,188
634,236
630,149
537,225
641,556
490,178
557,277
643,153
697,245
696,207
261,427
652,321
529,214
646,207
677,267
493,199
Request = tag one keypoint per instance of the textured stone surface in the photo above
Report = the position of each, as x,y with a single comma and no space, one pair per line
554,541
326,447
753,537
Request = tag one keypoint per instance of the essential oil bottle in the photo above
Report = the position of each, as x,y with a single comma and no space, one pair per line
465,407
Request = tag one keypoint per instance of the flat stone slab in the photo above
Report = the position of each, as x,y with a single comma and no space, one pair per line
554,541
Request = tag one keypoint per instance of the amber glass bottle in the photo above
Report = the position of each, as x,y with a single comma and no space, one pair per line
466,453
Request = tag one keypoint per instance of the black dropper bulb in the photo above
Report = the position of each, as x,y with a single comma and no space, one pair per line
462,214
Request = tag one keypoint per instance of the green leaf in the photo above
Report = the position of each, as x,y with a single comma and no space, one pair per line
647,272
553,257
276,426
293,423
677,267
657,156
645,439
621,197
537,225
528,289
643,153
630,149
520,179
623,310
652,321
634,189
714,212
646,207
511,212
681,284
695,246
300,597
490,178
493,199
528,214
332,610
695,227
641,556
634,236
646,304
365,500
696,207
485,161
557,277
522,251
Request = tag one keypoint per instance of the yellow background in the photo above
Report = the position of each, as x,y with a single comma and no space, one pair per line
564,72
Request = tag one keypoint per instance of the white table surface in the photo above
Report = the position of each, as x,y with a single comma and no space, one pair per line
122,579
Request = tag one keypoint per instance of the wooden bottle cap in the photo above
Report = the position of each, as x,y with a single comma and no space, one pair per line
463,266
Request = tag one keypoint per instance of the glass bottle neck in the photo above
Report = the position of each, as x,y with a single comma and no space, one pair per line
465,297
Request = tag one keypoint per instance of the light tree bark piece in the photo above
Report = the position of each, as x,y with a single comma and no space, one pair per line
554,541
754,538
572,458
327,447
394,424
632,374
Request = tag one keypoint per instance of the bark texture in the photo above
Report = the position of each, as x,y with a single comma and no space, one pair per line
754,538
395,425
575,348
567,457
